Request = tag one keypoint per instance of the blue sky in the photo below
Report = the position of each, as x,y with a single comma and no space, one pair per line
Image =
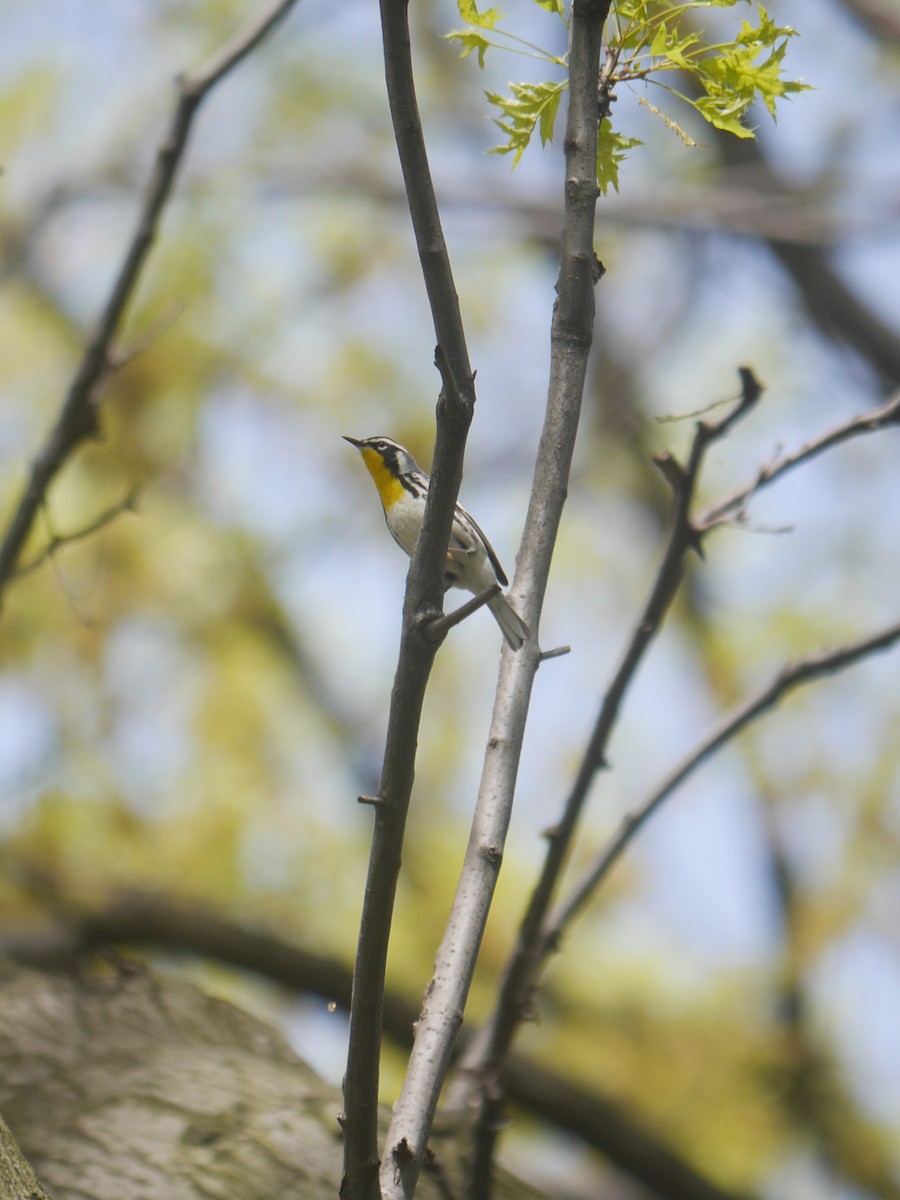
687,307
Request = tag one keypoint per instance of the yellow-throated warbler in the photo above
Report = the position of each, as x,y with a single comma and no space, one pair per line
471,561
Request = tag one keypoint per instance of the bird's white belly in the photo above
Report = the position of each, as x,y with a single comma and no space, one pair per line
468,566
404,520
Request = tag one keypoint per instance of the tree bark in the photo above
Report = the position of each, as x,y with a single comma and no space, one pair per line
133,1085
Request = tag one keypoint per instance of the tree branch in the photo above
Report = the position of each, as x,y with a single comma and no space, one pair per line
571,337
423,601
733,506
791,676
77,420
57,540
438,627
485,1057
832,305
878,17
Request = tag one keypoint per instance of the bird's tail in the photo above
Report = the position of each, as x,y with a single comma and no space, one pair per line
514,629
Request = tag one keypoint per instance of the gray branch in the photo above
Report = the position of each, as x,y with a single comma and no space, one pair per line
421,609
571,337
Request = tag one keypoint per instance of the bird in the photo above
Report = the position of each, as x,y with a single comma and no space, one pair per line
471,562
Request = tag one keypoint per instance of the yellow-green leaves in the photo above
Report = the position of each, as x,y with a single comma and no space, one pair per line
646,40
468,10
729,74
612,148
531,105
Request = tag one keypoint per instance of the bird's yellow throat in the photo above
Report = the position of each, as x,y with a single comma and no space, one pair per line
390,489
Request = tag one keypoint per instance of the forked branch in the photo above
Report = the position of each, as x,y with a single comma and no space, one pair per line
571,338
539,934
483,1062
732,507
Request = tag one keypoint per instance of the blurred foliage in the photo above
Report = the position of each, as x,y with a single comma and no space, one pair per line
192,698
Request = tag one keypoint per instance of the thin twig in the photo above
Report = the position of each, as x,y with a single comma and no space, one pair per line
77,420
122,355
871,422
791,676
556,652
437,627
424,594
58,540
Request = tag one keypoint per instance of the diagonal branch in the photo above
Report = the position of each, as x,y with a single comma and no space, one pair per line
439,627
484,1061
58,540
77,420
791,676
733,506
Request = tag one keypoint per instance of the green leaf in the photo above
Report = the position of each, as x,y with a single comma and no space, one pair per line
531,106
469,40
669,45
548,116
724,116
766,34
468,10
612,149
644,40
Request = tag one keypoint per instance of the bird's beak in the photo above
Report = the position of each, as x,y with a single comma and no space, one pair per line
353,441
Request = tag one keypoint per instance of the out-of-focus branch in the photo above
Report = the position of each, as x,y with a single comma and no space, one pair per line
743,203
791,676
78,420
422,604
146,920
834,307
58,540
879,17
839,312
814,1099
